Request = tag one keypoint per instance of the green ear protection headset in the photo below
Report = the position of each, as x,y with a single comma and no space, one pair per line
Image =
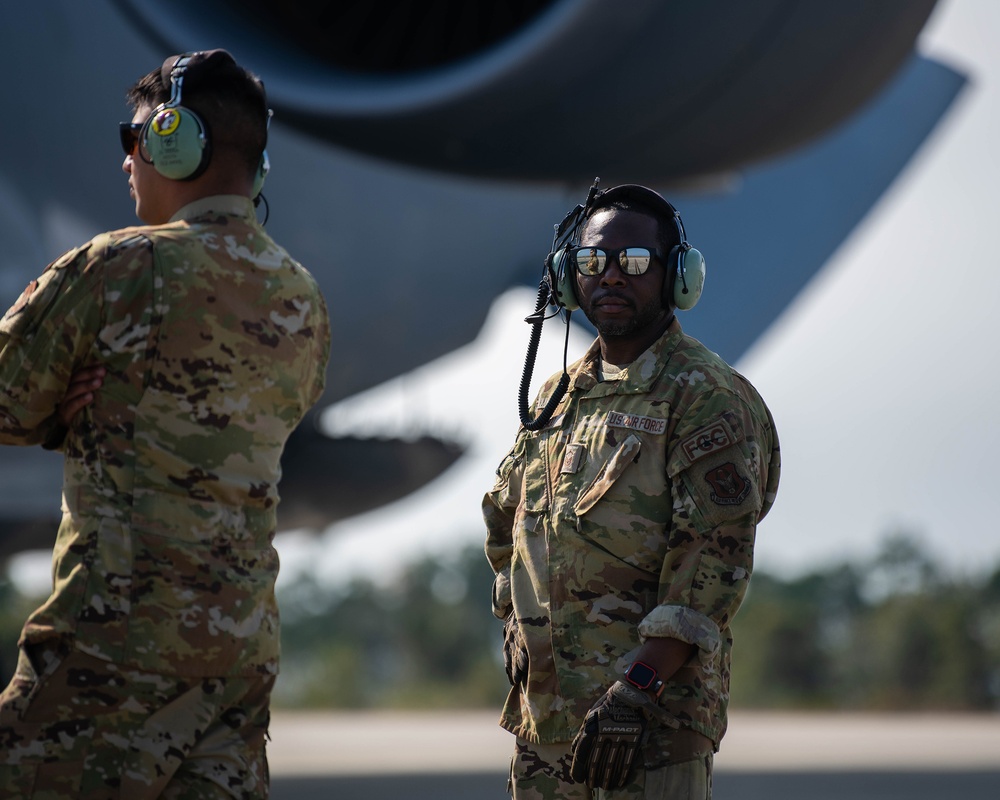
175,140
682,285
685,266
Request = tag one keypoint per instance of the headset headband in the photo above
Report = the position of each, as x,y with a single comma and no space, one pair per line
647,197
176,67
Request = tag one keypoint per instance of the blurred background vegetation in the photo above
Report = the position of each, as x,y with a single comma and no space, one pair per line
895,633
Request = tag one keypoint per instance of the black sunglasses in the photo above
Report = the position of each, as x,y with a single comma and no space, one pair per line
594,260
129,134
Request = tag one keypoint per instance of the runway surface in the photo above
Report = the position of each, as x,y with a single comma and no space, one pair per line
439,756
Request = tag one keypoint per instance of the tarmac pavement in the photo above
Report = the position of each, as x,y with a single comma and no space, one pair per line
464,755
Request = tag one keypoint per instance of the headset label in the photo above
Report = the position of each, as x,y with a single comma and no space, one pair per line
634,422
166,122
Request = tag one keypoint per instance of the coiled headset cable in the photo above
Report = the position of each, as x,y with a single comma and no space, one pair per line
536,320
565,236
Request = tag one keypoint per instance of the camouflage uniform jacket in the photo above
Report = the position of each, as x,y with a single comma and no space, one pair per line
631,515
215,343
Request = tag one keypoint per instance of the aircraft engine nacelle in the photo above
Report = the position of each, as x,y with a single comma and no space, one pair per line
557,90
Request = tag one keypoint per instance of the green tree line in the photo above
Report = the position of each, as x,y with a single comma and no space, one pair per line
892,633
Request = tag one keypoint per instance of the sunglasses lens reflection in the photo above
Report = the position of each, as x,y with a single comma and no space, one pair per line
634,260
591,260
631,260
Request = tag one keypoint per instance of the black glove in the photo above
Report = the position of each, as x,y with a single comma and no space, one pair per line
515,653
611,736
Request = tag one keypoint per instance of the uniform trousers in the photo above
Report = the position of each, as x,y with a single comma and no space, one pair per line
542,772
75,726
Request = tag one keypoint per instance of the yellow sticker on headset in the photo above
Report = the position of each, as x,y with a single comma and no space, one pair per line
166,122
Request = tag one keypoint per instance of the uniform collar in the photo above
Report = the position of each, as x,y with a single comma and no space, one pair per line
229,204
638,377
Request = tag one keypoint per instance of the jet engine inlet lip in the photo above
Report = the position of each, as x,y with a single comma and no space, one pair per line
300,80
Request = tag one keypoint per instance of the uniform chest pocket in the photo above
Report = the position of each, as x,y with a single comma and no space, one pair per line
626,453
623,513
536,490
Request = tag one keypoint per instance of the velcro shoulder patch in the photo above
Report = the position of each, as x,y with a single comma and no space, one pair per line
635,422
729,486
712,438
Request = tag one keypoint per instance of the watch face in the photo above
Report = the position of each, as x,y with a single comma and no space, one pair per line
641,675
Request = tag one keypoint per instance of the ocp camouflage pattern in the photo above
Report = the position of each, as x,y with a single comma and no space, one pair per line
542,772
76,726
632,514
215,342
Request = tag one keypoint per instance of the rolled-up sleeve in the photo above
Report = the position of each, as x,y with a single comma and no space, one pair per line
716,481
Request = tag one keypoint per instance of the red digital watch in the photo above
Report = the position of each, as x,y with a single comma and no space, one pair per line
642,676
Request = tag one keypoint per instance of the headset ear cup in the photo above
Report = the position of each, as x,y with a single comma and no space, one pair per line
175,142
562,278
689,276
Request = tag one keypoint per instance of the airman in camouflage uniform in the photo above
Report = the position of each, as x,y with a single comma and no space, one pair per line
625,523
148,671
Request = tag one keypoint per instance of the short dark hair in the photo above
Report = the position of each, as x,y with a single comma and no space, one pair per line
229,99
640,200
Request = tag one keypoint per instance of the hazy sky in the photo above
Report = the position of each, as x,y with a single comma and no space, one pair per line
883,375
